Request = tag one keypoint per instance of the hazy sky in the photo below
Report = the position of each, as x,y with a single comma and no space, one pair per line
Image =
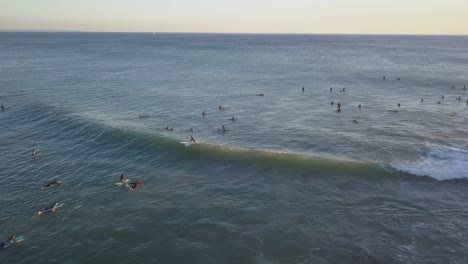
249,16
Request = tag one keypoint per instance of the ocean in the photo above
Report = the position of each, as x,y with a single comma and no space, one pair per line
290,180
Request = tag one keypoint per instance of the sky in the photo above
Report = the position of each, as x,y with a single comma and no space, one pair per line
427,17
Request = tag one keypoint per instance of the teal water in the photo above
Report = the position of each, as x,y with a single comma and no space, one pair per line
291,181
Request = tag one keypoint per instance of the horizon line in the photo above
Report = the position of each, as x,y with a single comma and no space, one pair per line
224,33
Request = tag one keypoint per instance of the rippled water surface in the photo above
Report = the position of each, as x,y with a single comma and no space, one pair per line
291,180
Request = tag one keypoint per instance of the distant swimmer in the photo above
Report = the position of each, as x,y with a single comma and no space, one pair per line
355,121
203,113
443,97
50,184
260,94
221,108
384,78
341,91
464,88
459,98
34,152
233,119
398,79
398,104
142,116
51,208
332,103
192,140
438,102
453,86
422,100
344,89
223,130
191,130
135,185
167,128
302,89
359,106
331,89
3,108
466,101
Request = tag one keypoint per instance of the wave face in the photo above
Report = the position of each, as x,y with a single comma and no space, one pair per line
290,180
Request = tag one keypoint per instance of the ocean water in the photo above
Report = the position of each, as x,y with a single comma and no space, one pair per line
291,180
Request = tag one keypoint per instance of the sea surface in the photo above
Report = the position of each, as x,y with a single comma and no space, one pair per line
291,180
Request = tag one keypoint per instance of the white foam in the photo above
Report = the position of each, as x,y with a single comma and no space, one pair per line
441,163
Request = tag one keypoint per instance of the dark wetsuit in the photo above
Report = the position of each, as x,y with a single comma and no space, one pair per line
135,185
50,184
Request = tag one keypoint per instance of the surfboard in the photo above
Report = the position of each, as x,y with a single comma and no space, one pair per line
122,183
60,205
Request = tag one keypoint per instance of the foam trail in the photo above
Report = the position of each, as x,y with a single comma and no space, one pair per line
441,163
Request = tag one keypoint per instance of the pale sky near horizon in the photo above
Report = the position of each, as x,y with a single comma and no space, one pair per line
446,17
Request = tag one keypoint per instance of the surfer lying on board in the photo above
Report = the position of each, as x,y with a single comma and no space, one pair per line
123,178
48,209
142,116
167,128
9,242
50,184
135,185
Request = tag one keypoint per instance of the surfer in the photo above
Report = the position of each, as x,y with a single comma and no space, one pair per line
50,184
191,130
332,103
221,108
422,100
331,89
34,152
384,78
11,240
192,140
359,106
135,185
233,119
344,89
224,129
260,94
3,108
167,128
123,178
302,89
438,102
48,209
142,116
355,121
398,104
443,97
398,79
203,113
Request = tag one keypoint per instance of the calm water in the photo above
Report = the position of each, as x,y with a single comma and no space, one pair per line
291,181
